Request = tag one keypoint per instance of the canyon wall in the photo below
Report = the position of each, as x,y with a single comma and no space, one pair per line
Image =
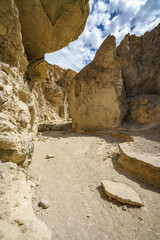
121,84
98,97
28,93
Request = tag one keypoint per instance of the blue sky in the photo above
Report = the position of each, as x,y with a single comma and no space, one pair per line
116,17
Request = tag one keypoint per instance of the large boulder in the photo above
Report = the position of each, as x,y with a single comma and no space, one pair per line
97,97
48,26
140,62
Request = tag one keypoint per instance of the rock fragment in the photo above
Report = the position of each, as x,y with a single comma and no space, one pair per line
48,156
121,192
43,204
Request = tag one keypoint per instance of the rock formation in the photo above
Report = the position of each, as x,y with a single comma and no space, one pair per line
145,108
26,97
98,98
140,63
139,57
118,80
48,26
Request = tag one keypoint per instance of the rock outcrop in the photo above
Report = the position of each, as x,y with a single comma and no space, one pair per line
15,137
28,94
120,84
141,159
140,63
145,108
97,96
11,48
48,26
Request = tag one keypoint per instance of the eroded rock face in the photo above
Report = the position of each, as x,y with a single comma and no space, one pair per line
140,63
11,48
97,97
141,159
55,24
145,108
15,137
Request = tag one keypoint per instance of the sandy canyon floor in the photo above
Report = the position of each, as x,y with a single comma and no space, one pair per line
70,182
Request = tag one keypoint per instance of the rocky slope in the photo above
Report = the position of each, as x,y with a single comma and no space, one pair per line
120,84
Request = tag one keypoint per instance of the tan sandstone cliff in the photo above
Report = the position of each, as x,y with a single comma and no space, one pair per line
121,84
24,91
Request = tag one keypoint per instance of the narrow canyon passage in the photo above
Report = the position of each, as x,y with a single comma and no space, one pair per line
70,181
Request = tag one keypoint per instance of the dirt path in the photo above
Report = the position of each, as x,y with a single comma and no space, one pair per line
78,208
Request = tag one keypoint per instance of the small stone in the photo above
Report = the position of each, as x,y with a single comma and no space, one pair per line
124,208
48,156
37,183
88,215
33,184
43,204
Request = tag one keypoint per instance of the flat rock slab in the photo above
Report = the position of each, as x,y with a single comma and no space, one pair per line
141,159
122,193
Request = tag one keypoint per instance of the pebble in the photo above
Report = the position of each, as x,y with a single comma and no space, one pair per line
48,156
124,208
43,204
88,215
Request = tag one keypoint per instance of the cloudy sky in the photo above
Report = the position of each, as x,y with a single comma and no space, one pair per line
116,17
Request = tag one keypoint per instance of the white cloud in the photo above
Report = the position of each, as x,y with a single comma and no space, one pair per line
116,17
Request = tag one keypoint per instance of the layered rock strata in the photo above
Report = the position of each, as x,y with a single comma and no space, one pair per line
141,159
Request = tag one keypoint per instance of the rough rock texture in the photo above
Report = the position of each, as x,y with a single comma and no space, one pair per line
141,159
48,85
65,82
97,97
53,92
121,192
17,219
145,108
24,91
55,24
15,100
15,138
140,62
11,49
